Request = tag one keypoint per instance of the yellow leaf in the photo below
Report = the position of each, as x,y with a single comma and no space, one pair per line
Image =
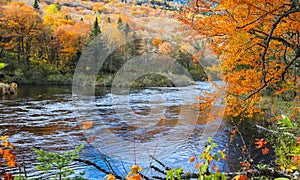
3,138
110,177
133,170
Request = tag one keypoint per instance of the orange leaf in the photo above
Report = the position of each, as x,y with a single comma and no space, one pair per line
8,177
192,159
265,150
135,177
296,159
260,143
86,125
11,163
91,139
239,177
198,165
298,142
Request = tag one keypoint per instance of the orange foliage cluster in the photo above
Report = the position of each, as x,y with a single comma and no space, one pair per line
6,155
257,43
156,42
261,144
5,152
49,34
166,48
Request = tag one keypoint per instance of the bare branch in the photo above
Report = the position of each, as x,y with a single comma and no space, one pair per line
164,166
98,167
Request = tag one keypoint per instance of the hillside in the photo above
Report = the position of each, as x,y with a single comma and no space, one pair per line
62,30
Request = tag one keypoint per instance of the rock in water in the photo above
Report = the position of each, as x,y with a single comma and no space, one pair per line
8,89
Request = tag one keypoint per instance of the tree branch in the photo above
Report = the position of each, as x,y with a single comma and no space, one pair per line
258,90
164,166
267,42
88,162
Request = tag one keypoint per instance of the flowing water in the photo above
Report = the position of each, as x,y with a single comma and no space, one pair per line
151,119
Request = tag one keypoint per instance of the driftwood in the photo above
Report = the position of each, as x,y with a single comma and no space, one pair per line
275,132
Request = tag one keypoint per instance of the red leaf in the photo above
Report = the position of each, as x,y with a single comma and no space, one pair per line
91,139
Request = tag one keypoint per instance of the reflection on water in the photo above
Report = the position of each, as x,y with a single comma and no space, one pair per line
46,117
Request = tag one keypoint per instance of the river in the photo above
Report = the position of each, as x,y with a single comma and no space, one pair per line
149,121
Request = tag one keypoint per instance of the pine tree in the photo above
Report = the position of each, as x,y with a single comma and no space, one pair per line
126,29
95,30
120,23
58,6
36,5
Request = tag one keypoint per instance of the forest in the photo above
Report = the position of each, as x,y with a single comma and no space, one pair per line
160,89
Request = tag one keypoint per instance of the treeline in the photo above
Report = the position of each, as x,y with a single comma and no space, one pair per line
38,42
41,44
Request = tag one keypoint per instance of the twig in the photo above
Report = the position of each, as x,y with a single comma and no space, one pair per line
166,168
144,177
108,165
258,90
157,177
158,170
276,132
88,162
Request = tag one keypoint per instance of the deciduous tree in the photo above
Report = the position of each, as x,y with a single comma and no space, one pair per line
20,28
257,43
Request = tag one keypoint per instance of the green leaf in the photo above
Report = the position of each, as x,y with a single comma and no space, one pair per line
209,140
2,65
281,179
285,121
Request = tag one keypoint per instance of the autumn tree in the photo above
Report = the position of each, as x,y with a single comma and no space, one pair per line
68,41
257,43
20,28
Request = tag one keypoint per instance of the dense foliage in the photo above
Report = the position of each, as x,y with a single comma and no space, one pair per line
257,43
42,42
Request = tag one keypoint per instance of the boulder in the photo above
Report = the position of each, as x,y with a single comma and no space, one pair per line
8,89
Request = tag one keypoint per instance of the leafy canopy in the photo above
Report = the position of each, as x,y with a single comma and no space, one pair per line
257,42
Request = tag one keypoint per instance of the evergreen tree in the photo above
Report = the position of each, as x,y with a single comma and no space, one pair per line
120,23
95,30
36,5
58,6
126,29
108,20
